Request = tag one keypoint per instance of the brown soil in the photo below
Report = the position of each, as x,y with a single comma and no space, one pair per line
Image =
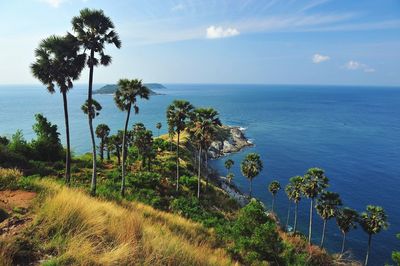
16,203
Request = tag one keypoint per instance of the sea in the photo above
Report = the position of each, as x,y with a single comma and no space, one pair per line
351,132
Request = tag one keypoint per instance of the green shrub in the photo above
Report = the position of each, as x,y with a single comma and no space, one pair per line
255,236
189,181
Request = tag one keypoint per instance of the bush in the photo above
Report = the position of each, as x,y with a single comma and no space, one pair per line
255,236
11,159
9,178
143,180
189,181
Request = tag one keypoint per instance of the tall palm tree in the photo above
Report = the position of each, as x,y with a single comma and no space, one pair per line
202,129
251,166
274,187
373,221
314,182
327,205
58,62
94,30
178,115
294,192
346,220
158,126
228,165
102,132
126,98
92,113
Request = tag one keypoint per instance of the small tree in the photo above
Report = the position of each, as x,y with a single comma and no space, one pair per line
251,166
373,221
274,187
326,206
102,132
92,113
346,220
158,126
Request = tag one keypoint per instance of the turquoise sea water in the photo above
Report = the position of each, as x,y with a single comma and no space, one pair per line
351,132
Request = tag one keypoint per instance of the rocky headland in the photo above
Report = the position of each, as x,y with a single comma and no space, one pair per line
233,140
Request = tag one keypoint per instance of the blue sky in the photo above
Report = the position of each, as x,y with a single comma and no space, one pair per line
350,42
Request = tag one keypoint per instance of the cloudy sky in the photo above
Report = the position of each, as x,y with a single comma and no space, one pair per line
221,41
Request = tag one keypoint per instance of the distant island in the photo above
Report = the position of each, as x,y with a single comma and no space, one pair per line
111,88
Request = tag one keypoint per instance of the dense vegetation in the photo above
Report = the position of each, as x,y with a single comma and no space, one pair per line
116,225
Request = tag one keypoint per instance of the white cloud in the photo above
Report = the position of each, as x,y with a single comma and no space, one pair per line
214,32
178,7
319,58
354,65
54,3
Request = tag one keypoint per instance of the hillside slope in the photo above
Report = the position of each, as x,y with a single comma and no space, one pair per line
71,228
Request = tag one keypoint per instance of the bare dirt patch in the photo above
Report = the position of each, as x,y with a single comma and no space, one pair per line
11,199
16,204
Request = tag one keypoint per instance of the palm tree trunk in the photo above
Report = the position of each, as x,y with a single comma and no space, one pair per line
288,215
369,247
207,176
118,155
68,153
94,170
177,162
94,174
323,234
199,174
102,149
343,242
310,224
295,217
273,202
251,186
108,153
124,152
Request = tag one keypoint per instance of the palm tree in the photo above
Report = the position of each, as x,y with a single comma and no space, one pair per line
126,97
158,126
92,113
228,165
115,143
373,221
203,130
94,29
346,220
58,62
274,187
314,181
102,132
178,115
327,205
251,166
294,192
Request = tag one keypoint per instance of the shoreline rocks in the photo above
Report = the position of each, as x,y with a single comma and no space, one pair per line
234,142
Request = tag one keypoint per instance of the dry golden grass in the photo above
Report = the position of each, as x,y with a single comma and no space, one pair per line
9,177
82,230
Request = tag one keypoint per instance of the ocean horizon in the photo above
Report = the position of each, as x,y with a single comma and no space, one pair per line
352,132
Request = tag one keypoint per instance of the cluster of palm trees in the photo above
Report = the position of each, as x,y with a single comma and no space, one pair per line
328,205
61,59
202,126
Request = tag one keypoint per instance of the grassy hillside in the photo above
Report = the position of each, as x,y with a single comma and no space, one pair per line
71,228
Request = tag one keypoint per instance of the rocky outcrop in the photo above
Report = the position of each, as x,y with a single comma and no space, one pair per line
234,141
